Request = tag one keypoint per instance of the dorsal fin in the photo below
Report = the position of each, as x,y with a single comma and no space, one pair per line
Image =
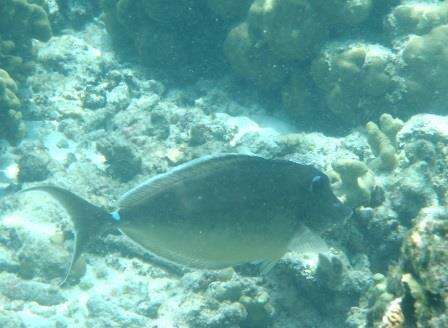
199,166
87,219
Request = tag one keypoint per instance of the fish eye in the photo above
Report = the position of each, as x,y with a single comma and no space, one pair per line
318,183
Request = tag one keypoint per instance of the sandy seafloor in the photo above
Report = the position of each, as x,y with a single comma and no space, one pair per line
140,129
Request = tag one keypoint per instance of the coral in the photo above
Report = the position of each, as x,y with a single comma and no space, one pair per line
300,49
349,12
326,280
415,291
11,127
168,35
382,142
381,147
252,59
418,149
229,9
20,22
378,308
297,96
232,300
390,126
416,18
393,316
75,13
356,79
412,191
425,257
355,182
426,66
292,28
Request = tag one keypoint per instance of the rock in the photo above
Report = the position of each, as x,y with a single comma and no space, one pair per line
30,291
10,319
123,162
33,168
38,257
7,263
104,312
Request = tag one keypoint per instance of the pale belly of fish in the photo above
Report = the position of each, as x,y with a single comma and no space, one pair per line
218,241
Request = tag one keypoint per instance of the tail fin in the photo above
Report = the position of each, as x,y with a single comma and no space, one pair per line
87,218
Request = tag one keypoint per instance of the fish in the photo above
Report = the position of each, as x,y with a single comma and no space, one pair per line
214,212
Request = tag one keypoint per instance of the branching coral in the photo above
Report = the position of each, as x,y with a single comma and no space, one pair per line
382,142
356,182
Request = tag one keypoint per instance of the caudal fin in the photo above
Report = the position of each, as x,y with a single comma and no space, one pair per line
87,218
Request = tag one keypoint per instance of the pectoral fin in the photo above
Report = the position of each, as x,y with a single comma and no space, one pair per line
267,266
307,242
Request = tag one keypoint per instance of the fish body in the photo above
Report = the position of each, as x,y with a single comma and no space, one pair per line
216,211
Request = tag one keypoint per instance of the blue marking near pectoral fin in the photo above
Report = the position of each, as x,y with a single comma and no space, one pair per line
115,216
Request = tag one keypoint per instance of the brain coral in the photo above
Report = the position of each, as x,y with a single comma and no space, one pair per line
20,22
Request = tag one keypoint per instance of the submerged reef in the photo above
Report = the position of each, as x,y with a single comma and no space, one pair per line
401,172
346,60
20,22
414,292
104,127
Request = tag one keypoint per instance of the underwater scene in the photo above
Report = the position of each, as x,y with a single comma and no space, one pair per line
223,164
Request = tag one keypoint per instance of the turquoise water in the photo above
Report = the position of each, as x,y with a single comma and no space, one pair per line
97,97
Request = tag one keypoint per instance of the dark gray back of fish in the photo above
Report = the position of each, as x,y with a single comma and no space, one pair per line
235,185
214,211
222,210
